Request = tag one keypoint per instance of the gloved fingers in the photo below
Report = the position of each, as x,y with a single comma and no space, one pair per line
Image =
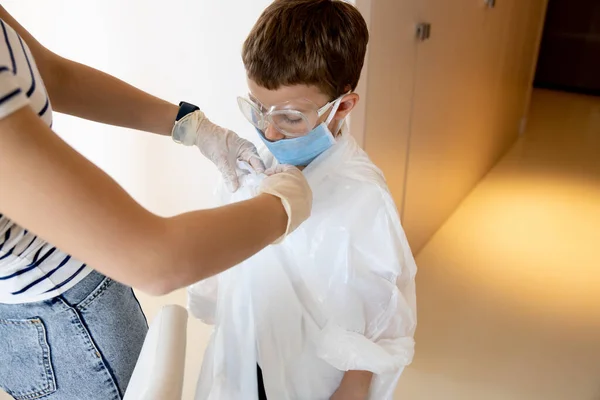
232,182
257,164
290,185
277,169
249,153
228,172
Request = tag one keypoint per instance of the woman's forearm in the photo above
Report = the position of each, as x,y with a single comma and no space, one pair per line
220,238
87,93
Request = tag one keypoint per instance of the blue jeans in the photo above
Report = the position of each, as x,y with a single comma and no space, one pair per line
82,345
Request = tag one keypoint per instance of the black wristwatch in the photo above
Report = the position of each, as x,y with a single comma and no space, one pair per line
185,109
180,134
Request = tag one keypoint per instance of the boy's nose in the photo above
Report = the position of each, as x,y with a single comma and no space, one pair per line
272,134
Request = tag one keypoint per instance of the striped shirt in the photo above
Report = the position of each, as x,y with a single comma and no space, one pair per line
30,268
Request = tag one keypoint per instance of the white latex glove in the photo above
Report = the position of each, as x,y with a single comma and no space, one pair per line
290,185
222,146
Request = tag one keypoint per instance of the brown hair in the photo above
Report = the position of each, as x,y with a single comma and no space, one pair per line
310,42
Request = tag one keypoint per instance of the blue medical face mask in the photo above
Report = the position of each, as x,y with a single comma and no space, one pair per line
301,151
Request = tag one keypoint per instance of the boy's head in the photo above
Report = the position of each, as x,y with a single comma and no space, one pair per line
304,54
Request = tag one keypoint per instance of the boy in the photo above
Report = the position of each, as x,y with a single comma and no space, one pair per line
330,312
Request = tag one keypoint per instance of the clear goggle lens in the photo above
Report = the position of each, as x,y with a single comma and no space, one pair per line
292,119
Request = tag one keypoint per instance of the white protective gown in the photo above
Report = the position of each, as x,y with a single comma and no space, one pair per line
337,295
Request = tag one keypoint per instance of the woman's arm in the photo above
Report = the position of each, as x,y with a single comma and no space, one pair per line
85,92
52,190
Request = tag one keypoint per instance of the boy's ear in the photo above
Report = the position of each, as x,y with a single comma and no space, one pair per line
346,105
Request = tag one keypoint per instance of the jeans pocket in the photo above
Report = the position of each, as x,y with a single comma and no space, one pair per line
25,366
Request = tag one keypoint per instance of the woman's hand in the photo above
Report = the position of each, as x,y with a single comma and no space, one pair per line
222,146
344,394
289,184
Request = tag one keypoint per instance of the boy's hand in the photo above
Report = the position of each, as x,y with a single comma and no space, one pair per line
222,146
344,394
355,386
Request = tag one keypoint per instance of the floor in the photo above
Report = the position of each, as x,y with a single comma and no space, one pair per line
509,288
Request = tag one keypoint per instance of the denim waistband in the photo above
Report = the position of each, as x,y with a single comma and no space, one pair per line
83,289
71,297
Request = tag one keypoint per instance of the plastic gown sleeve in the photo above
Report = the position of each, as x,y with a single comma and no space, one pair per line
371,314
202,299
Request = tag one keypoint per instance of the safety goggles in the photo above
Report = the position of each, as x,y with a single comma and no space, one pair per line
292,119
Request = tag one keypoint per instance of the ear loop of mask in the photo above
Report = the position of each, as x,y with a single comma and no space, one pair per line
334,110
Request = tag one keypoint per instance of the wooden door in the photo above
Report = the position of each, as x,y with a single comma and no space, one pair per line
468,104
390,83
447,116
440,112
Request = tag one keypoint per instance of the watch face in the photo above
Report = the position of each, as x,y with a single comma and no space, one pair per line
185,109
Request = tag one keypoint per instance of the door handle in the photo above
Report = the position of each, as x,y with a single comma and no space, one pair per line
423,31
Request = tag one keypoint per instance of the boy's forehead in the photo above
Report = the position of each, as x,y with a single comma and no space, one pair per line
285,94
